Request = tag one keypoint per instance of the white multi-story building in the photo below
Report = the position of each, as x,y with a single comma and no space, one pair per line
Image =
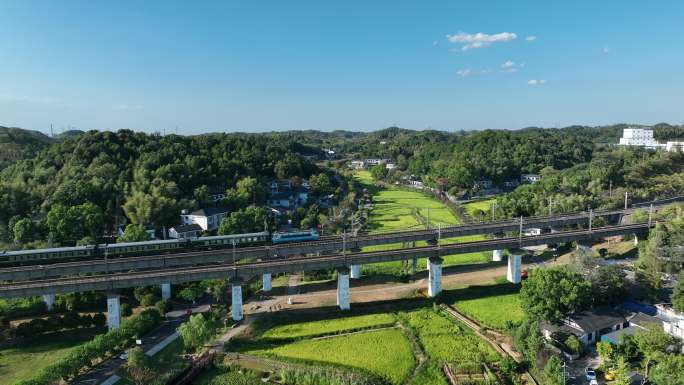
639,137
675,146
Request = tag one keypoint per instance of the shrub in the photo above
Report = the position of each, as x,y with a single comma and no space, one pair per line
99,320
163,306
126,310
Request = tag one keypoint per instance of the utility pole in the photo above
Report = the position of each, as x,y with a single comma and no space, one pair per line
428,219
610,188
650,215
591,217
493,212
520,232
626,200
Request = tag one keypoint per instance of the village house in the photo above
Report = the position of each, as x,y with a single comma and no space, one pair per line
530,178
209,219
587,326
284,195
185,231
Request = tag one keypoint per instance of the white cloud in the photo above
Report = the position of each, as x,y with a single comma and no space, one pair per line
464,72
510,66
531,38
479,40
535,82
605,50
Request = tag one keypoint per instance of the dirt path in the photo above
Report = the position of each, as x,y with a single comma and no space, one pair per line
370,292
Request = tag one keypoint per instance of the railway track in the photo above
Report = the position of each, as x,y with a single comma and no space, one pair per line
177,274
330,243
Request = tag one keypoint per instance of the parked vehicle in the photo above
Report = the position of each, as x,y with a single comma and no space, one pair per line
590,374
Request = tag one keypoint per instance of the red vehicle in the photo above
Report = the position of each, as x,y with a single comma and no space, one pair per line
524,274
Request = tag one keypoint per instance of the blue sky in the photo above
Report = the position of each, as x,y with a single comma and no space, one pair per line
356,65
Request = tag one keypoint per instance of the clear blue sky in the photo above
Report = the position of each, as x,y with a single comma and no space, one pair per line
356,65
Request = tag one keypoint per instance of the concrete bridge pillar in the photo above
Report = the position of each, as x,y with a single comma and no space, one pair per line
266,282
514,273
166,291
343,288
583,246
236,304
497,255
355,271
434,276
113,311
49,300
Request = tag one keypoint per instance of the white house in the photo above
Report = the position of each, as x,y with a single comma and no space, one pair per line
208,218
390,166
530,178
357,164
185,231
373,161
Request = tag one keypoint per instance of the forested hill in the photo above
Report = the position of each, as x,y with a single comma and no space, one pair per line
17,144
150,176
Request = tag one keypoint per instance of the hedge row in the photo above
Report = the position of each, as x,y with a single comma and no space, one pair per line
55,323
99,347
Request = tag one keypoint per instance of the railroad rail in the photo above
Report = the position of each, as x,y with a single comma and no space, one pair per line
237,271
327,244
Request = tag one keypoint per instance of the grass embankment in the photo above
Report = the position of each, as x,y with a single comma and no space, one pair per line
400,209
23,362
491,305
473,208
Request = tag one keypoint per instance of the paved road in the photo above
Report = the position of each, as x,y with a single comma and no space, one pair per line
106,369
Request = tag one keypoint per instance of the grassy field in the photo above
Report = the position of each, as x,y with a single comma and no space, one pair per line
384,352
316,328
446,341
491,305
480,204
396,209
22,362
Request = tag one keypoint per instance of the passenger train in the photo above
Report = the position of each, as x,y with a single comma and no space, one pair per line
132,249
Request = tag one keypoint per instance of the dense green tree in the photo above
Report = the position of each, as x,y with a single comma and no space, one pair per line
249,219
134,233
321,184
652,343
608,285
196,331
553,372
678,294
668,371
551,294
23,230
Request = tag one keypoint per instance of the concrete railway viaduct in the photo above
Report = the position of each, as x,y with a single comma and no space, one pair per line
220,264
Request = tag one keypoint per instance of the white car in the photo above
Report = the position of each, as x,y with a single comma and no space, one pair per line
124,356
590,373
593,382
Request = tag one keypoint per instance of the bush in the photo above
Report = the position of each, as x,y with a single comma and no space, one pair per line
126,310
164,306
99,320
148,299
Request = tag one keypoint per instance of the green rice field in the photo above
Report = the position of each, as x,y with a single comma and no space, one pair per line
316,328
491,305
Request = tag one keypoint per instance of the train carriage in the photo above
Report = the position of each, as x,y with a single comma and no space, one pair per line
26,257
